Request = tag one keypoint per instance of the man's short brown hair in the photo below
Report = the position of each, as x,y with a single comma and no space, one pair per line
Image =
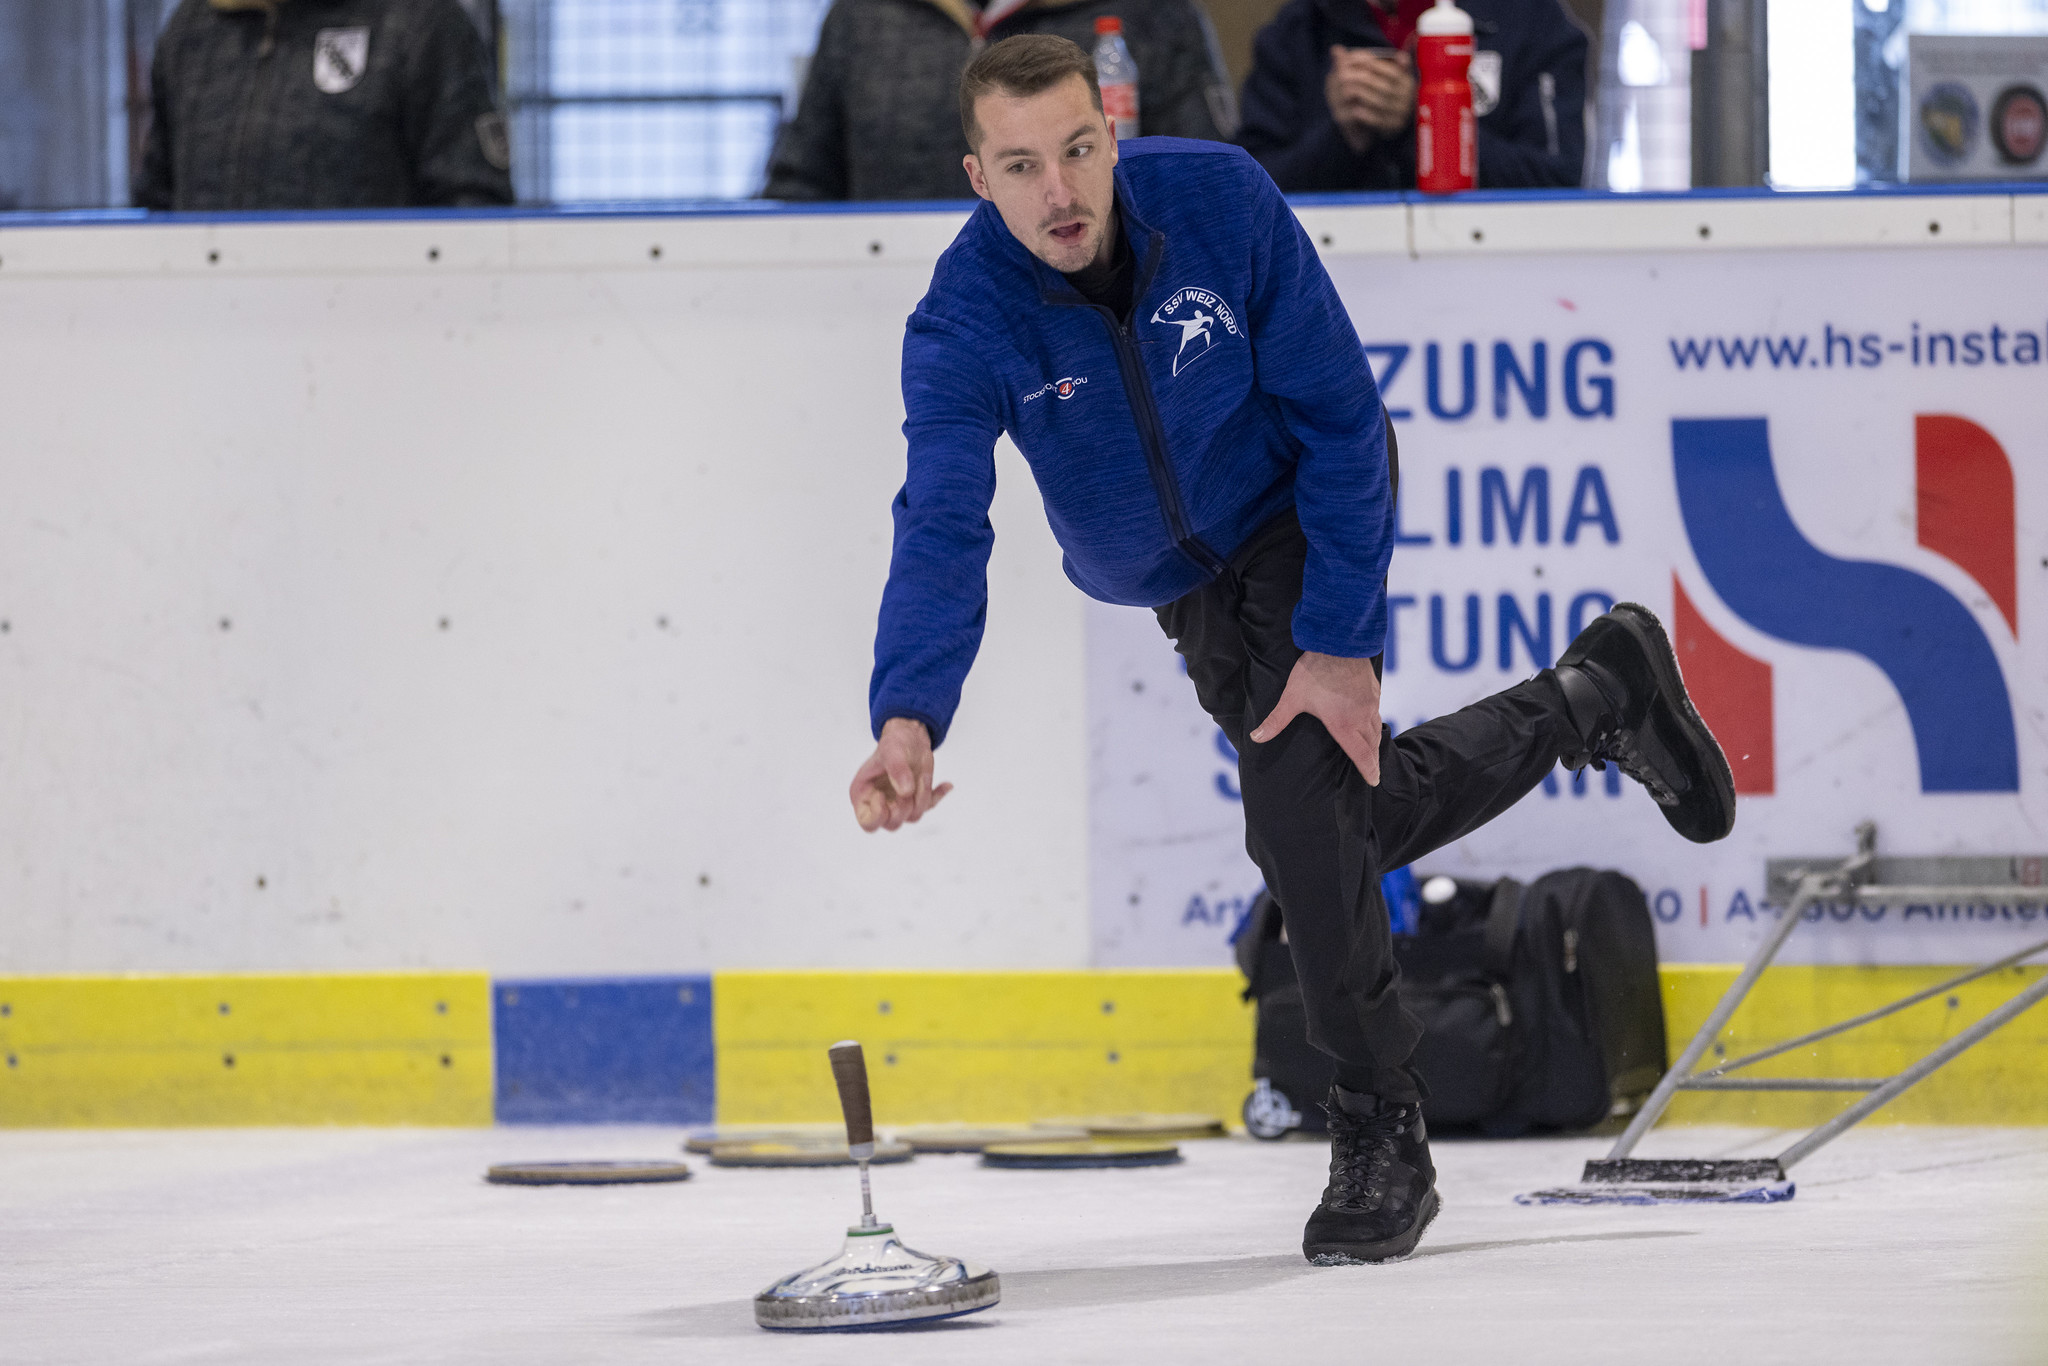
1021,66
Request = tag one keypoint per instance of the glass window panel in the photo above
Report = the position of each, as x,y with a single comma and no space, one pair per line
1645,105
707,80
1813,95
660,151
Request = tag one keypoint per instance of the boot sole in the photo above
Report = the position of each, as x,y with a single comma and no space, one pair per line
1693,731
1714,761
1371,1254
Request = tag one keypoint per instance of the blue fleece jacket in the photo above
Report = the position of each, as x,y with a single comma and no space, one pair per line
1235,390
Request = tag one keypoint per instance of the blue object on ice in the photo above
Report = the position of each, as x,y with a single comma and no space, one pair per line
1623,1193
1400,890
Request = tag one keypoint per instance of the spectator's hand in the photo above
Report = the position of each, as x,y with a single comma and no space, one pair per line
1344,694
895,784
1371,92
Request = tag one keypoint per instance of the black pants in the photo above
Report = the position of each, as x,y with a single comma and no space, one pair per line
1321,836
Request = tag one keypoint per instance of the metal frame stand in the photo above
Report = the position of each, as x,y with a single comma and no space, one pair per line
1968,881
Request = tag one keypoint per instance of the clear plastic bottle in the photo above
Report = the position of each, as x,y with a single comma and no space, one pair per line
1118,76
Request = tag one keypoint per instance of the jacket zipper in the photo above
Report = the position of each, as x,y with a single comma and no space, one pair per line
1145,412
239,156
1152,435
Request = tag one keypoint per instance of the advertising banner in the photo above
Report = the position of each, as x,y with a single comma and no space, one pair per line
1823,471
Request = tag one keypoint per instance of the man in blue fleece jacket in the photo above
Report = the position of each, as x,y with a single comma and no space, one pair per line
1153,329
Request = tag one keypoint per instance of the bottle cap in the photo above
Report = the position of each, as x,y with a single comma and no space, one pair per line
1443,19
1108,23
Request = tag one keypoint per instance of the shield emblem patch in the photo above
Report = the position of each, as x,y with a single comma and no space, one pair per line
340,56
1485,72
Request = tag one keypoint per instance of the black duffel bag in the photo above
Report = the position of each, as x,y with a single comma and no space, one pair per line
1540,1008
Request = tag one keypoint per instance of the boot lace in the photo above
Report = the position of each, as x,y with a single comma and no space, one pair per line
1616,743
1362,1152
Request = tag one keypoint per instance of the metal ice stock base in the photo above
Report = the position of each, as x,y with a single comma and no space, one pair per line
875,1281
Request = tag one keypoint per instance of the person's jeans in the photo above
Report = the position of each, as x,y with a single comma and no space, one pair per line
1321,836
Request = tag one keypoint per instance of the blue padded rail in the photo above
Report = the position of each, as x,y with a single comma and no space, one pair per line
604,1050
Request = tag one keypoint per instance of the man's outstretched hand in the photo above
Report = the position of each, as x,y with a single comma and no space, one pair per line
1344,694
895,784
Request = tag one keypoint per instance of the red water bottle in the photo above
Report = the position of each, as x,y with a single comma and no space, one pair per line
1446,131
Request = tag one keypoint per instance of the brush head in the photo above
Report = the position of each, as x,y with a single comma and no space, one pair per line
875,1281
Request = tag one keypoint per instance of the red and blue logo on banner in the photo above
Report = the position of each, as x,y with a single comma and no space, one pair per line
1927,642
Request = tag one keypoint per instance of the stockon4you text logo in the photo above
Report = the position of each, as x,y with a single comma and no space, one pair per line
1059,388
1932,648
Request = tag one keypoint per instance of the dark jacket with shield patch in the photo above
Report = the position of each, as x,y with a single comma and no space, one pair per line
1528,87
879,117
323,104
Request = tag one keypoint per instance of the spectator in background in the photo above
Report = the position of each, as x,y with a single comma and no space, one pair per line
879,117
1330,102
323,104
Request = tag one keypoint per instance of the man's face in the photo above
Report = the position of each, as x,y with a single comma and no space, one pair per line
1045,162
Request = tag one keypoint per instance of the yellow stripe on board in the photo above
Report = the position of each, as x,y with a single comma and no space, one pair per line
313,1048
1003,1046
983,1046
2003,1080
416,1048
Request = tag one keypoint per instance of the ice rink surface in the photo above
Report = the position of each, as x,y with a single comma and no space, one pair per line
306,1246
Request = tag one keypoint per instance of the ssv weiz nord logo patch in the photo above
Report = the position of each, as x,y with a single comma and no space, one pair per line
1198,313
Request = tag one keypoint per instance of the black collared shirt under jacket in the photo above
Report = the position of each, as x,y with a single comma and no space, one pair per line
323,104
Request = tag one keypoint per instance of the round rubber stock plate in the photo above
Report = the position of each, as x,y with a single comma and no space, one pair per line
607,1173
1080,1153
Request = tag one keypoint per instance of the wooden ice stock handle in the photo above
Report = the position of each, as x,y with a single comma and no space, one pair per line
850,1070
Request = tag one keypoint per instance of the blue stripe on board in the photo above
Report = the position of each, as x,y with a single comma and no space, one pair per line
604,1050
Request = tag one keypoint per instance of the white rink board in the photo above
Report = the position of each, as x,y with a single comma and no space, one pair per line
1169,876
649,499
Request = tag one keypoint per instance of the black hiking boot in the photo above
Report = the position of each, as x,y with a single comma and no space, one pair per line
1629,707
1382,1191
